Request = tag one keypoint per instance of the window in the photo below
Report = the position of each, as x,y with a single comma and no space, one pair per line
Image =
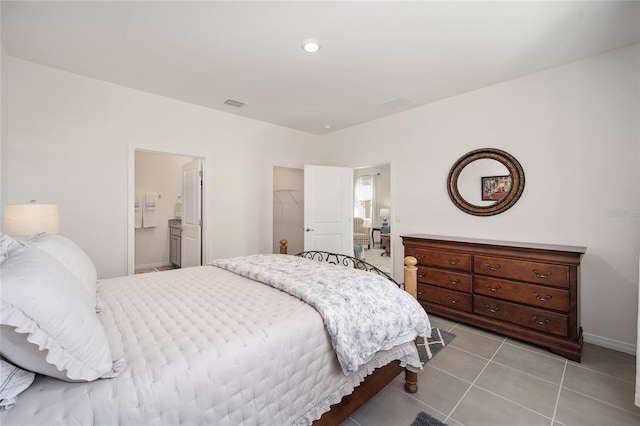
364,198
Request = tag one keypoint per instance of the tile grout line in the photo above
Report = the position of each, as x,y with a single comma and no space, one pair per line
528,374
474,381
547,353
484,334
579,365
409,395
451,374
470,353
555,409
513,402
603,402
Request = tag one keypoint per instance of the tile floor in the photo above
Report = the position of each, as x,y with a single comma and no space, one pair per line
483,378
374,256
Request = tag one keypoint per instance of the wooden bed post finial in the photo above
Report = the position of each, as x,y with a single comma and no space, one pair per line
411,276
283,246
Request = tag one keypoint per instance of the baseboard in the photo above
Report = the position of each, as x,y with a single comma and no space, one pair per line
616,345
152,265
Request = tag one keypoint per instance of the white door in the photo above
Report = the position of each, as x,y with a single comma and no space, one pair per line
328,209
191,214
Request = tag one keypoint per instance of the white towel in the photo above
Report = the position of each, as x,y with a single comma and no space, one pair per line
150,199
139,201
149,213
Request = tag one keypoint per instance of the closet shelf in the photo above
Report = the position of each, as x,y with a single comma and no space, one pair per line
288,191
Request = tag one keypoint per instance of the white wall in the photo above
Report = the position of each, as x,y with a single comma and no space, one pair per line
575,130
69,139
161,174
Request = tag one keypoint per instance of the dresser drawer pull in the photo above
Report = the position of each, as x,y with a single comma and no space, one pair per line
453,282
545,322
421,275
542,299
493,268
419,293
494,289
453,262
539,275
452,300
419,256
490,309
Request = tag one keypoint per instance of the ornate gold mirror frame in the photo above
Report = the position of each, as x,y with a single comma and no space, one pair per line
515,171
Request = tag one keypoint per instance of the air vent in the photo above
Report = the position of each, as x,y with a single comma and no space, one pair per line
234,103
398,103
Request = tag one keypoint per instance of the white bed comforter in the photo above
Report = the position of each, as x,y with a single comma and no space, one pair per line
203,346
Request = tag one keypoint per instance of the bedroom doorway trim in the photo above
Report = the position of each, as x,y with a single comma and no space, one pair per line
131,196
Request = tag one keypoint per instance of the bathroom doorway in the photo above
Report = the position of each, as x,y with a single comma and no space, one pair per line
160,180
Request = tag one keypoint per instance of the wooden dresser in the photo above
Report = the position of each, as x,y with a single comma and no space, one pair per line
523,290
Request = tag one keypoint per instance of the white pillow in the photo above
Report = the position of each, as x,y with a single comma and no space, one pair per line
71,257
50,311
6,245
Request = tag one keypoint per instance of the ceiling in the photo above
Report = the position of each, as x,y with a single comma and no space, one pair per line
376,59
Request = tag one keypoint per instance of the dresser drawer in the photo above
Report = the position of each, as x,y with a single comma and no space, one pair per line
531,294
538,319
535,272
444,278
442,296
441,259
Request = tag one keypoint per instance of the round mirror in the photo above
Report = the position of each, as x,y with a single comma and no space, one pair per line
485,182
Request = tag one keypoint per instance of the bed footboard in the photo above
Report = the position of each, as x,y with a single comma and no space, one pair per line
381,377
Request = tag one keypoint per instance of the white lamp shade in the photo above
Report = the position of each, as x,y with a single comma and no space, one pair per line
28,219
384,213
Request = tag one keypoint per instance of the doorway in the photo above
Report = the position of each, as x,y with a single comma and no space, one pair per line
288,211
372,202
157,209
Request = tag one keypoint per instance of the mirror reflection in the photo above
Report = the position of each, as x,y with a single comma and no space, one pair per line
484,182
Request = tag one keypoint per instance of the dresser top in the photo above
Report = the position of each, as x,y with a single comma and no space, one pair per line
538,246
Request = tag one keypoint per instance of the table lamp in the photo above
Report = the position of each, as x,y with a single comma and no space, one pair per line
384,215
28,219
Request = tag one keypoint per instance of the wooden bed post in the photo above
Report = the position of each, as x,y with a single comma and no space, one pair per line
411,287
283,246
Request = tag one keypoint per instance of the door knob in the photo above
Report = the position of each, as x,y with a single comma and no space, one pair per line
308,229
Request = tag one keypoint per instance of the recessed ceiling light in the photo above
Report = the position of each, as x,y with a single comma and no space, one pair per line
311,46
327,126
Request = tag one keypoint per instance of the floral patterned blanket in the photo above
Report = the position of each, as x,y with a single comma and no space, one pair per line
363,312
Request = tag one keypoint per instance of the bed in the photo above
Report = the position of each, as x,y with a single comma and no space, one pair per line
202,345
